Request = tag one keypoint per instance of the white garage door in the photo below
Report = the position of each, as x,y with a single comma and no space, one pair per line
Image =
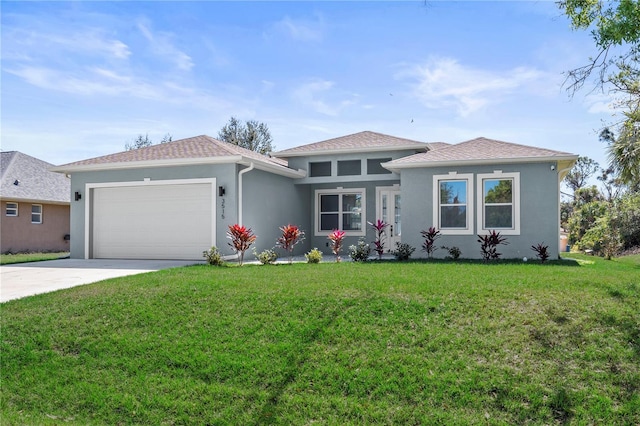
153,221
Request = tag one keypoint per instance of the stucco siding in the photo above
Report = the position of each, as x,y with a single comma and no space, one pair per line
320,240
20,235
269,202
225,175
539,206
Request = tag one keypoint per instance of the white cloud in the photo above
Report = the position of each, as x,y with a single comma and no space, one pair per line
162,45
445,83
300,29
315,95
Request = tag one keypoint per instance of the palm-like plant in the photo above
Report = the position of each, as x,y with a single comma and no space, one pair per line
241,239
337,238
291,235
378,244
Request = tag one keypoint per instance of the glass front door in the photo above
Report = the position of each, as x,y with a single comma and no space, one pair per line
389,209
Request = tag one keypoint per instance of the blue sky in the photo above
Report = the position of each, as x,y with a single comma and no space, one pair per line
80,79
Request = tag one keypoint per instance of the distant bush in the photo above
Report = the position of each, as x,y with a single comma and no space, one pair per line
314,256
403,251
360,252
213,256
266,257
454,252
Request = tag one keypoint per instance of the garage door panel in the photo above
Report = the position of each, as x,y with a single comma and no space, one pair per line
153,221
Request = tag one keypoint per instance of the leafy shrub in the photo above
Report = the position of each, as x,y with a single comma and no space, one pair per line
430,236
602,238
542,252
584,217
337,238
489,245
291,235
625,217
378,244
454,252
314,256
266,257
403,251
213,256
241,239
360,252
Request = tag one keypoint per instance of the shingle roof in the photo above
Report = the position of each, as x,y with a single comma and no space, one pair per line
35,181
357,142
477,151
196,147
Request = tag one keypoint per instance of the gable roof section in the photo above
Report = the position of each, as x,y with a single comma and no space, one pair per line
196,150
358,142
36,183
479,151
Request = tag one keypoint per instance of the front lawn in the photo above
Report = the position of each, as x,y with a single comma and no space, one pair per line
6,259
348,343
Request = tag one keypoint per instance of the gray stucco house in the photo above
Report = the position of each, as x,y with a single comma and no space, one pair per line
174,200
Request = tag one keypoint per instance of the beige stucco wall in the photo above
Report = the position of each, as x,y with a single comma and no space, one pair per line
18,234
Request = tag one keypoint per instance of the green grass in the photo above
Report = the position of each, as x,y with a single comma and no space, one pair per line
375,343
6,259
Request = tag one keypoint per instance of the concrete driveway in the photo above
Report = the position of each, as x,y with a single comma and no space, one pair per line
27,279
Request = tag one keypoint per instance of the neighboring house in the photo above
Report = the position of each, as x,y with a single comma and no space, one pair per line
35,205
177,199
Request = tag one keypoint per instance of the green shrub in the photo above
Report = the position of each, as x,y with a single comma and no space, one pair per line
403,251
360,252
602,238
454,252
213,256
314,256
266,257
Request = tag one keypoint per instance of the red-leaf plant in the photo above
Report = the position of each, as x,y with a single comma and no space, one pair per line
378,245
291,235
489,245
337,238
430,236
241,239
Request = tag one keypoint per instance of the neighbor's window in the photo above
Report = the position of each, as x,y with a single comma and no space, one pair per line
349,167
320,169
340,209
453,206
499,202
36,213
12,209
374,166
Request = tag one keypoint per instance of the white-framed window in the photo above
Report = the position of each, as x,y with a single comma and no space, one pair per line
453,203
342,209
36,213
499,202
11,209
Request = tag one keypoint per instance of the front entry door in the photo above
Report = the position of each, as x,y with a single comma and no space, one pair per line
389,209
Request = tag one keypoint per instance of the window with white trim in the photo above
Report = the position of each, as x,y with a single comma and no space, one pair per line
11,209
453,203
342,209
499,202
36,213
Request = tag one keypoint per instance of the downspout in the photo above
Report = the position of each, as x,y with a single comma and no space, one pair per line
560,177
242,172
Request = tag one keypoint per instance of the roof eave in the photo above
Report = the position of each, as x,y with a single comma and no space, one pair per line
274,168
479,162
284,154
227,159
34,200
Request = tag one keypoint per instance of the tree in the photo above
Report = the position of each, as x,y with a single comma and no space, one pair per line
144,141
139,142
250,135
615,26
580,173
